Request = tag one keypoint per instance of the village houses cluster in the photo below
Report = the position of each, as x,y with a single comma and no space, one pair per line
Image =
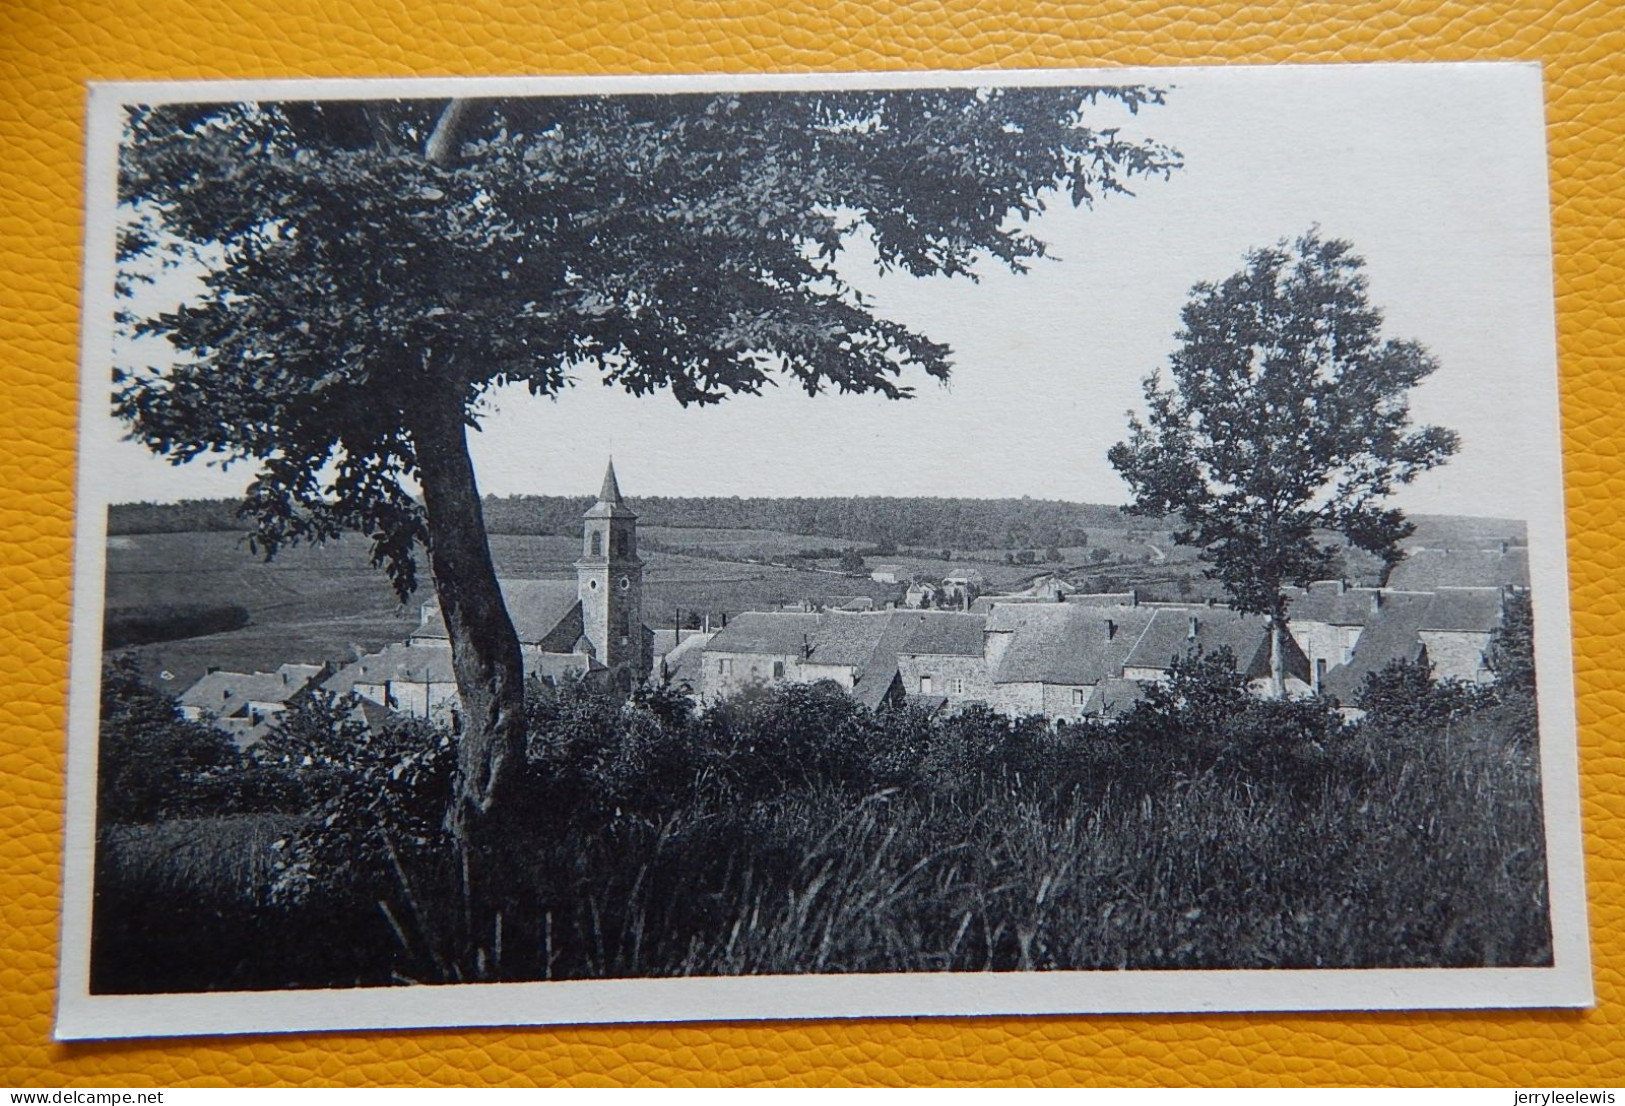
1049,649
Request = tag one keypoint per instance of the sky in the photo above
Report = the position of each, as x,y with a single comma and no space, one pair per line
1436,174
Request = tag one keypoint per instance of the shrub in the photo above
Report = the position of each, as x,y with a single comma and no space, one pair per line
790,829
151,762
1404,696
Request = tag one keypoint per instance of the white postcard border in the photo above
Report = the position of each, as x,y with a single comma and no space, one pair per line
82,1015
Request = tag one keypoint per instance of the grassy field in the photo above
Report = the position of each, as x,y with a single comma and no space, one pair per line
313,604
309,605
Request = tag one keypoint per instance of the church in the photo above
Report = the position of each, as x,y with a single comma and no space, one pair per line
590,628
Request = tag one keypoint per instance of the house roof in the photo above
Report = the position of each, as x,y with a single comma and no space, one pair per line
686,668
878,673
432,664
1431,569
868,642
984,604
1128,598
225,693
946,633
537,607
765,632
1391,634
1330,602
418,664
1472,610
1058,643
558,666
1169,637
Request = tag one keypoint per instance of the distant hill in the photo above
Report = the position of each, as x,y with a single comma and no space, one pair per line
920,522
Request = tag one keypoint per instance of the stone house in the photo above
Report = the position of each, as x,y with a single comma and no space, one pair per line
1326,619
856,650
1048,658
942,664
1457,629
245,704
1176,633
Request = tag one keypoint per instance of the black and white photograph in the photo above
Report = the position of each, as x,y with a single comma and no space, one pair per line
641,549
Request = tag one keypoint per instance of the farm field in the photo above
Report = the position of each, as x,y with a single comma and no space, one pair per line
1461,532
309,604
313,604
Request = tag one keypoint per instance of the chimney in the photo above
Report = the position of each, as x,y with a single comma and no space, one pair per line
1376,601
1190,632
1503,547
806,647
1342,586
1111,629
1134,597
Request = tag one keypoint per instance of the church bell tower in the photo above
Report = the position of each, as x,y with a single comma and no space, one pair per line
609,579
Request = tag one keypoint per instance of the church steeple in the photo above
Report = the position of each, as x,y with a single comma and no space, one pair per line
609,577
611,491
610,504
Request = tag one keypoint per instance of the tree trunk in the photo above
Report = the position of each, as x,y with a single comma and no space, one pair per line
1277,657
485,656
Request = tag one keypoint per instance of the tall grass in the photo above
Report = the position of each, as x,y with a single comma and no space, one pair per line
794,832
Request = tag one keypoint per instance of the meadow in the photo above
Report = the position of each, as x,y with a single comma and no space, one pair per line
312,604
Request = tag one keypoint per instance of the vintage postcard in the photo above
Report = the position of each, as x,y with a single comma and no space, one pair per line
647,549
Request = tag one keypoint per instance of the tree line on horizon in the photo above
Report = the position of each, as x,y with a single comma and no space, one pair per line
934,522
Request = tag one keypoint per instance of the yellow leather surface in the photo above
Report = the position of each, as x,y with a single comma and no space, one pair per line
49,48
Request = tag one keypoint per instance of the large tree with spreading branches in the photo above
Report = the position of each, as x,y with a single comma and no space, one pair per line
370,269
1286,421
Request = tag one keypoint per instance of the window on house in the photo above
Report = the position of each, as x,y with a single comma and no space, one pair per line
925,685
1320,671
956,685
778,670
1080,696
725,667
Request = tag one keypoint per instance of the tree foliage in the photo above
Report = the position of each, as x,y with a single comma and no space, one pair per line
1286,417
678,242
